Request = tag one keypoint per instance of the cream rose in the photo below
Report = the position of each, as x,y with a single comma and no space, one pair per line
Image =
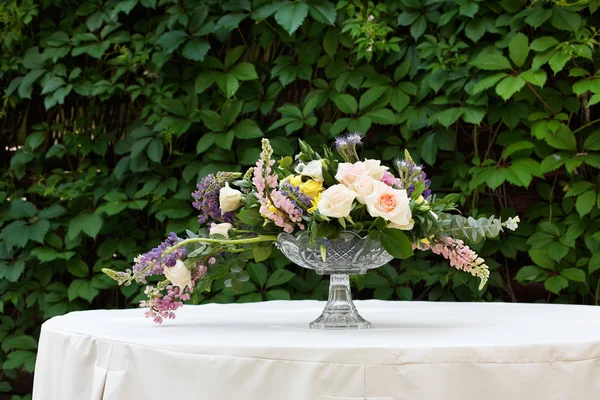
347,173
179,275
363,186
229,199
391,205
313,169
375,169
220,229
336,201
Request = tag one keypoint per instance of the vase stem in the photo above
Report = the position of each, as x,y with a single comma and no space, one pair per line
340,313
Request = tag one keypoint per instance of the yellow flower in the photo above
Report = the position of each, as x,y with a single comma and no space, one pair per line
311,188
315,203
294,180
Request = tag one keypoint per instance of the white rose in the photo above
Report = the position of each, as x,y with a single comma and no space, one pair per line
220,229
336,201
313,169
229,199
404,227
347,173
363,186
390,204
179,275
375,169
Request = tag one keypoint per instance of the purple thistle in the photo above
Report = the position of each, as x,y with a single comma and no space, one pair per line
153,262
346,146
206,198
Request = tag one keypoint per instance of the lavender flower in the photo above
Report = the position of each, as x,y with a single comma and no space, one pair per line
300,200
207,197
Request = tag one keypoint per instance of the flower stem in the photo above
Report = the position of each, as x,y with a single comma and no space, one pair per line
256,239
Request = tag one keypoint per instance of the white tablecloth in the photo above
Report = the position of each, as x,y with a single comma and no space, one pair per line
265,351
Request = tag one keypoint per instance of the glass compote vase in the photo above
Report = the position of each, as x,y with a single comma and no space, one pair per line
349,254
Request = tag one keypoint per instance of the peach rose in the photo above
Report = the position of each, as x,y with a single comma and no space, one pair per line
336,201
363,186
391,205
179,275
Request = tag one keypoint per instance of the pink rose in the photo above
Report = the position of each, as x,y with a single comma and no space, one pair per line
391,205
388,179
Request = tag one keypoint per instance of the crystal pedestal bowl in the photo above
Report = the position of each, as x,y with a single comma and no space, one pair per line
349,254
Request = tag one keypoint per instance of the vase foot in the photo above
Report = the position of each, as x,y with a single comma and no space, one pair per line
340,313
340,320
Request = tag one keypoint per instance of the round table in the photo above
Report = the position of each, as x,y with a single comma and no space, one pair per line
265,351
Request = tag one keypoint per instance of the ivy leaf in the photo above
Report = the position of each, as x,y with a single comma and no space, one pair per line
592,142
538,16
396,243
418,28
537,78
247,129
491,61
448,116
170,41
574,274
518,146
228,84
469,9
196,49
565,20
475,29
563,138
279,277
291,16
594,263
543,43
558,61
556,283
509,86
518,49
474,115
323,12
27,82
244,71
488,82
371,95
381,116
585,202
346,103
399,99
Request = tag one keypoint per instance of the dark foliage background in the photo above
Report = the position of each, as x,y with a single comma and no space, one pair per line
112,111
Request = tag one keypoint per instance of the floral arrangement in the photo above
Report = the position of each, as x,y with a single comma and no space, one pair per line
242,214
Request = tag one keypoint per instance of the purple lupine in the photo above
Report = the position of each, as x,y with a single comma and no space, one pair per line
206,197
153,262
300,200
411,173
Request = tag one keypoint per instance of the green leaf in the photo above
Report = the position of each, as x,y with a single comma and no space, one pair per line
509,86
556,283
261,253
418,28
155,150
537,78
277,294
585,202
538,16
448,116
558,61
468,9
474,115
528,273
247,129
346,103
592,142
251,217
205,142
279,277
78,267
396,243
518,49
407,18
244,71
491,61
594,263
52,84
371,95
228,84
518,146
399,99
196,49
170,41
291,16
324,12
19,342
543,43
542,259
381,116
565,20
88,223
563,138
258,273
574,274
26,85
475,29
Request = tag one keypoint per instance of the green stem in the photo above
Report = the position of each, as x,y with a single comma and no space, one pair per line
586,125
256,239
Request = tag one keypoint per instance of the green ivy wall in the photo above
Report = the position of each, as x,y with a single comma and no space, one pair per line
112,111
